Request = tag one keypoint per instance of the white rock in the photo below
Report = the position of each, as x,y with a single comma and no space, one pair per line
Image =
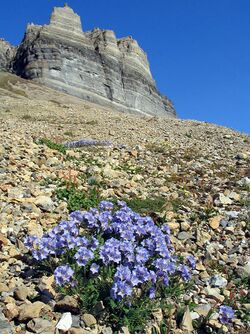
194,315
225,199
65,322
218,281
45,203
186,324
246,268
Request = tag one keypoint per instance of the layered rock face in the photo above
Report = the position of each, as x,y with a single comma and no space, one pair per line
95,66
7,53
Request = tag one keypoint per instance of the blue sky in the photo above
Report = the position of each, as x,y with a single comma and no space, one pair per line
199,50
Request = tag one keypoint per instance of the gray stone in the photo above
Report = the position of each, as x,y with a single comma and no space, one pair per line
75,321
40,325
95,65
106,330
232,214
184,236
203,310
224,199
5,326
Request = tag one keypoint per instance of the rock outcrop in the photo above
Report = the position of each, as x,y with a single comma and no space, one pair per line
7,52
95,66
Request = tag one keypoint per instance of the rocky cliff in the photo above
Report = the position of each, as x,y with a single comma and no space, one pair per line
95,66
7,52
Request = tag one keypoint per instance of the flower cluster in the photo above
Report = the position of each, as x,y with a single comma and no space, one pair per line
138,251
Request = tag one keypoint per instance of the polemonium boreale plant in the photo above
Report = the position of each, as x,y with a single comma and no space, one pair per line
114,255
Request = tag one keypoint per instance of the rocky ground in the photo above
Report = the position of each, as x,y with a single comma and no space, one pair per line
194,175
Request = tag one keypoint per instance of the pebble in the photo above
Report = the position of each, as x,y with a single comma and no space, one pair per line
21,293
184,236
215,222
89,319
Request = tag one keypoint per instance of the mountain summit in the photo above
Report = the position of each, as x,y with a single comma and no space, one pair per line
95,65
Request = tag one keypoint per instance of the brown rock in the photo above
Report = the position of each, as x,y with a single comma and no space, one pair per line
11,311
30,311
78,331
89,320
21,293
46,286
68,304
215,222
3,240
3,288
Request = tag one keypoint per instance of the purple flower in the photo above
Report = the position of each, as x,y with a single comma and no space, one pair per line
63,275
110,252
165,228
184,272
226,314
191,260
83,256
141,274
142,255
94,268
106,205
120,290
40,254
31,241
152,292
94,243
123,273
122,204
90,220
76,215
164,266
105,218
165,279
82,242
